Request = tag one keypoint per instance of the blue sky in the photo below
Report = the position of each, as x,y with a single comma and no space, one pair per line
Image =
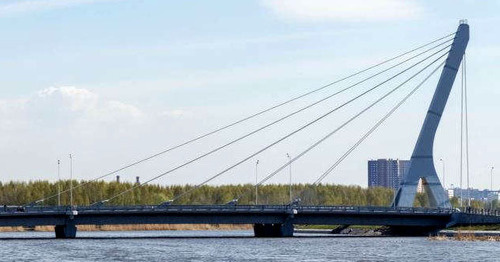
115,80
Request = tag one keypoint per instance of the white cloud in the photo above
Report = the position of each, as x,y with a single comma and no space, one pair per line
342,10
16,7
116,106
66,107
175,113
74,98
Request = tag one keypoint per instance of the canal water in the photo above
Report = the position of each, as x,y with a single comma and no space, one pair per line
234,246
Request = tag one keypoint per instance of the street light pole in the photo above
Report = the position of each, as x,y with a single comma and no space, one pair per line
58,182
290,167
256,183
491,185
71,180
491,173
444,173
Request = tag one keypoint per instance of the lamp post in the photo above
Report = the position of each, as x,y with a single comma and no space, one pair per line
256,182
491,181
58,182
71,180
290,168
444,172
491,185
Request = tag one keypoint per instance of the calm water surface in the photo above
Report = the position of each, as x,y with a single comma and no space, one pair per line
234,246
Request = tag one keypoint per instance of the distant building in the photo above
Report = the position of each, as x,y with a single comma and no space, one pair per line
386,172
493,195
475,194
451,193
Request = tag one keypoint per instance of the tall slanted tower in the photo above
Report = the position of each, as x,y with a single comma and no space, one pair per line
422,160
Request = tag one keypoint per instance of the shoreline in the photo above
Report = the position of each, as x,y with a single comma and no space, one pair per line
467,235
444,235
151,227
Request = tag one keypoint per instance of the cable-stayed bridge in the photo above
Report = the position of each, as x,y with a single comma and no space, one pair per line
413,68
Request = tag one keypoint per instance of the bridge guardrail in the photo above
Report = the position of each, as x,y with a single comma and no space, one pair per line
243,208
199,208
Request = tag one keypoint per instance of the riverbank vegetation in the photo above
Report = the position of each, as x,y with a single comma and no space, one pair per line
466,236
145,227
86,193
22,193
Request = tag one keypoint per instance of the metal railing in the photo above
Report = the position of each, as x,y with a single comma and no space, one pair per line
236,208
480,211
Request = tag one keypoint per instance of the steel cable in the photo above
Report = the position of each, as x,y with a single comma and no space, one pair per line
307,125
249,117
272,174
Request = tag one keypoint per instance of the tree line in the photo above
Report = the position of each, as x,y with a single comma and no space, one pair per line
23,193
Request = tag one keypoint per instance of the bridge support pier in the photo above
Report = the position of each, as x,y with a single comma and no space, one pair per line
273,230
65,231
412,231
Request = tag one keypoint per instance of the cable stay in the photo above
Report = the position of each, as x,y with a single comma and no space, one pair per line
272,174
464,134
298,111
281,139
466,131
263,112
305,126
374,128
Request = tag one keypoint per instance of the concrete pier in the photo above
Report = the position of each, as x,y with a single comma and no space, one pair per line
273,230
66,231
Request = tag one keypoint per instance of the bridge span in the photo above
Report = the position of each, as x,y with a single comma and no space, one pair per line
268,220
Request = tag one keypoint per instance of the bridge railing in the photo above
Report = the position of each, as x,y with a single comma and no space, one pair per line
481,211
243,208
222,208
375,209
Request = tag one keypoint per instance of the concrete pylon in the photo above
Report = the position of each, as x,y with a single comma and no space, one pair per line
422,161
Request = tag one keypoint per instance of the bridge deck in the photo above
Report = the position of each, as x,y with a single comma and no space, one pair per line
67,218
226,214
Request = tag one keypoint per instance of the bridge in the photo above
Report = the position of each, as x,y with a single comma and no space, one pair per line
446,53
268,220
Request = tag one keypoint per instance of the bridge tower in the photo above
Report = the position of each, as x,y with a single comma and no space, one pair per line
422,161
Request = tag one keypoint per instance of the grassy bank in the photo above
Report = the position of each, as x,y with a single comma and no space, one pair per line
153,227
478,228
465,236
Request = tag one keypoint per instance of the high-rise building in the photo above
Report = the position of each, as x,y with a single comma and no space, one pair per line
386,172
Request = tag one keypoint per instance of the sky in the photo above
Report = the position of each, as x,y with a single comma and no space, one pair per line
114,81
